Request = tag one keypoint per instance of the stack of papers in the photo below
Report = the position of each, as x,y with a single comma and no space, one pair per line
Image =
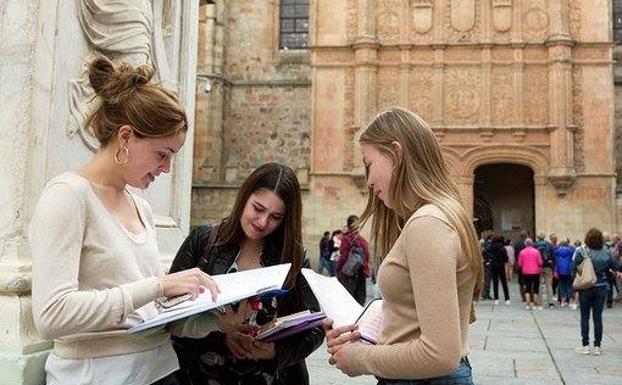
234,287
343,309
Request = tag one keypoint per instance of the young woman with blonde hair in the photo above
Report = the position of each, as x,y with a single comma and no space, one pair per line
432,269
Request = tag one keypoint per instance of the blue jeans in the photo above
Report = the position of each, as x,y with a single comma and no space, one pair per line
592,299
564,288
328,265
462,376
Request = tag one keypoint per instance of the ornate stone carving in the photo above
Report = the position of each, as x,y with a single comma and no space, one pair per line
388,22
536,94
577,118
502,15
388,87
420,92
422,11
462,95
563,183
130,31
462,14
575,18
503,95
351,19
535,20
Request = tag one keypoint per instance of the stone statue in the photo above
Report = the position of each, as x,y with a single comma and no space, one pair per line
130,31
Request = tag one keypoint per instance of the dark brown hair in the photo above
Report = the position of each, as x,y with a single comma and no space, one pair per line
287,238
594,239
126,96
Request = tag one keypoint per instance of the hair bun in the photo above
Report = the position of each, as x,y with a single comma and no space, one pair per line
114,83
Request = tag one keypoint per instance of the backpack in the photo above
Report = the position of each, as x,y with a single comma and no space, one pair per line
547,254
355,261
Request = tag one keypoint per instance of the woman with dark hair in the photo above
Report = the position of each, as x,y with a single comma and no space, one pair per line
263,229
499,259
593,299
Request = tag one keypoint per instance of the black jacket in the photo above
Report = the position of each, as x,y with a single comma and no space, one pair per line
288,365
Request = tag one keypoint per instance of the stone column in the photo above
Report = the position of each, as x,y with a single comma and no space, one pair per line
42,53
562,173
365,72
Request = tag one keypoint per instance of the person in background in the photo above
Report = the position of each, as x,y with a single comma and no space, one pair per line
593,299
324,259
509,266
530,263
563,271
353,240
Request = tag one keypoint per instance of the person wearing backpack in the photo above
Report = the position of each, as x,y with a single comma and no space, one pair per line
548,264
353,263
593,298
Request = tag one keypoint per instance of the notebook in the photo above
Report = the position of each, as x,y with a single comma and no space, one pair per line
234,287
290,325
343,309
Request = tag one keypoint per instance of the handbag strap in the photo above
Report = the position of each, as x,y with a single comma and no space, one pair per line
209,245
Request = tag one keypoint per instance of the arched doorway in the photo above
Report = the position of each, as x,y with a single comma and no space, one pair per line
503,199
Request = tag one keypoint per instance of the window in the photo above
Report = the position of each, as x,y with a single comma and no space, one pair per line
294,24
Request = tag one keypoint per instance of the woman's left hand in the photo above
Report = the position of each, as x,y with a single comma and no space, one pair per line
344,358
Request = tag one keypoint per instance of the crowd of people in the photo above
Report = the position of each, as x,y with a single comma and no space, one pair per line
554,266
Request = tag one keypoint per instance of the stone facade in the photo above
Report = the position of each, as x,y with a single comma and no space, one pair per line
501,82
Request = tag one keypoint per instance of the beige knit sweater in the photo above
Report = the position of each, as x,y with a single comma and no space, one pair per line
89,275
427,288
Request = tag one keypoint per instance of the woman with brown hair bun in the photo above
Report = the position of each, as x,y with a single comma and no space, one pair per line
95,256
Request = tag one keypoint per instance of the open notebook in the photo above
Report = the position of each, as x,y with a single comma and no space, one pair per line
342,308
234,287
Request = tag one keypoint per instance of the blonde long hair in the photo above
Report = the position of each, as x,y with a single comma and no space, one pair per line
420,177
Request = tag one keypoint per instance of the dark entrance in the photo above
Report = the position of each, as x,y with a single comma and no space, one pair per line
503,200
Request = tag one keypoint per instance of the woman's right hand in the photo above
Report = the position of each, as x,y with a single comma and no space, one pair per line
192,281
238,335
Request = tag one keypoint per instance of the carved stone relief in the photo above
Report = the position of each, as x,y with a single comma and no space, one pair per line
388,87
422,11
349,121
577,117
536,94
502,15
575,17
124,31
388,20
352,19
420,92
462,19
462,95
535,20
462,14
502,95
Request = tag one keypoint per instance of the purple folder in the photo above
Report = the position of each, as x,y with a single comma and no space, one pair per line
291,327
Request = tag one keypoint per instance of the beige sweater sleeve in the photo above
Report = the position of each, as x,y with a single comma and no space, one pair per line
431,249
56,238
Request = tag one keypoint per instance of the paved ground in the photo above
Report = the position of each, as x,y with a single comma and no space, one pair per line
511,345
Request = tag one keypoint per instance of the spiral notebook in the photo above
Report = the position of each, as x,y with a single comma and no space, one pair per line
234,287
343,309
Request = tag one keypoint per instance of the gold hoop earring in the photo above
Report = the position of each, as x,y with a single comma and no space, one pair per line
127,155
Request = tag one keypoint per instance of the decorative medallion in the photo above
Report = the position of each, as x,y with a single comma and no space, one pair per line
422,15
462,15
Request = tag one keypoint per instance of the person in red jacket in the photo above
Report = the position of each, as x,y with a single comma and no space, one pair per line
356,283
